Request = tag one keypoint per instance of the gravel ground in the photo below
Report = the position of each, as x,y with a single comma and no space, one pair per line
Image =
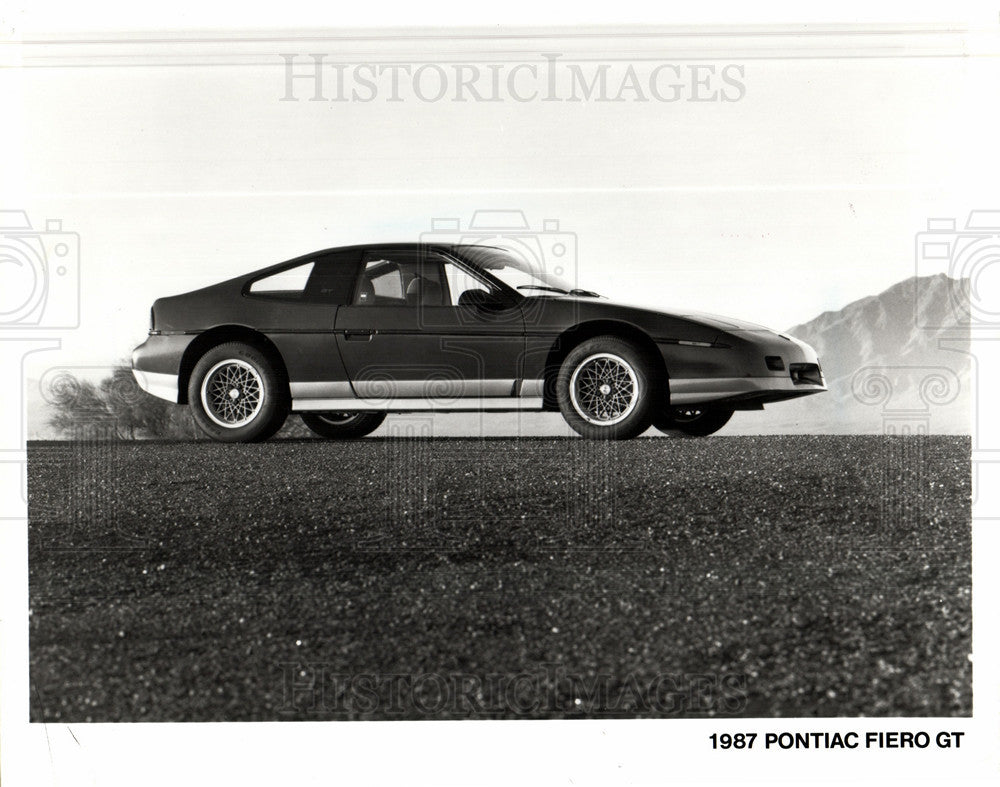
539,578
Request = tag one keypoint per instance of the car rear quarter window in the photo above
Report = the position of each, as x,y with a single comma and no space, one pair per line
289,282
332,281
326,279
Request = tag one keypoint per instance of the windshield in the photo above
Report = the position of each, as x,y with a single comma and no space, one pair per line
526,276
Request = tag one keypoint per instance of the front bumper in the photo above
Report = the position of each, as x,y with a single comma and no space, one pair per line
740,373
738,389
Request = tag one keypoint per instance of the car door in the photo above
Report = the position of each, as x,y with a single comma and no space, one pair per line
296,307
416,328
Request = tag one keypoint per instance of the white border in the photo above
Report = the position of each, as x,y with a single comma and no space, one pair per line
482,752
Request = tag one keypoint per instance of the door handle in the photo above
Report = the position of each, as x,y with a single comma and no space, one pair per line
359,336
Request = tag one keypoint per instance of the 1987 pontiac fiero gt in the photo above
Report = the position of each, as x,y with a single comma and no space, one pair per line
347,335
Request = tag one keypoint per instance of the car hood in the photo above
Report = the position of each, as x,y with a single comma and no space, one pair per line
714,321
724,323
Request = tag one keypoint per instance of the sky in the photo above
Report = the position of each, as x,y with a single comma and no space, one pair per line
178,168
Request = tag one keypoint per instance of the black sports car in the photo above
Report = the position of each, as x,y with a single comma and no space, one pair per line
345,336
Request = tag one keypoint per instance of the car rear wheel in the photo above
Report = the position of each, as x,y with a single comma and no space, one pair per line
236,396
604,389
343,426
693,421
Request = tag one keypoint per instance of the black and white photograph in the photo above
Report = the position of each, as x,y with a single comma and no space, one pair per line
477,396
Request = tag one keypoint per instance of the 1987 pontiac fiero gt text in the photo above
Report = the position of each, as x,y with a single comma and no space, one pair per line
345,336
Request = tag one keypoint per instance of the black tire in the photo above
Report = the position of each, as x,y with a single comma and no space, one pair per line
343,426
605,389
257,409
692,421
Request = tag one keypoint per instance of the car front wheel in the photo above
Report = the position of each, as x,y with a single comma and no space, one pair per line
343,426
605,389
236,395
692,421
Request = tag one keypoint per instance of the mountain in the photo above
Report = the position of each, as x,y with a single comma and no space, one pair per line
895,361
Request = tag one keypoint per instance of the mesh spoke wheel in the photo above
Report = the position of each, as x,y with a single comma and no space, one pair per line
337,419
343,426
693,420
604,389
232,393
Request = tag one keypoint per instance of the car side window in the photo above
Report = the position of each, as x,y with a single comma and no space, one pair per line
461,284
401,279
388,283
328,278
332,279
290,282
